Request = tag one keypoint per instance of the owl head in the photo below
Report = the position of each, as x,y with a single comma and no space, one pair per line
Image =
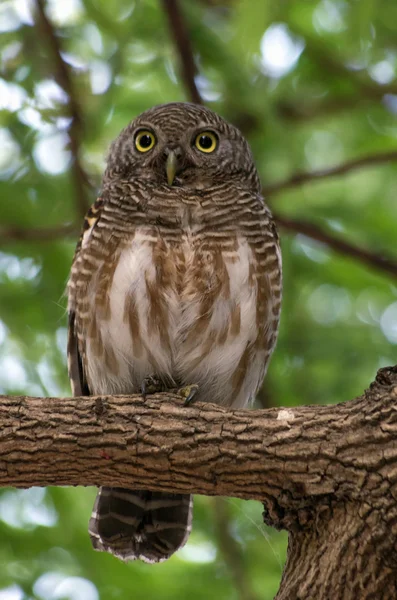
182,145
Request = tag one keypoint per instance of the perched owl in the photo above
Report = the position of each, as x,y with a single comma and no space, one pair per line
176,279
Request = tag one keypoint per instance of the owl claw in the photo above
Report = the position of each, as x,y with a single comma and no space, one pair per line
188,393
154,385
151,385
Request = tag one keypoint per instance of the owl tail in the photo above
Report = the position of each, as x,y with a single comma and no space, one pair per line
149,526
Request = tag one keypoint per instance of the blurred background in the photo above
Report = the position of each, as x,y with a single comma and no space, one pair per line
312,84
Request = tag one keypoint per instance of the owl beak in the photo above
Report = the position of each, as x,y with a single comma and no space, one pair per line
171,166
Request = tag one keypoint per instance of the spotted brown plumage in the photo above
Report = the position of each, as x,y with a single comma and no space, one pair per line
177,275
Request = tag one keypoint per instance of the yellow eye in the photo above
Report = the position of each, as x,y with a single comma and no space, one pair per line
144,140
206,141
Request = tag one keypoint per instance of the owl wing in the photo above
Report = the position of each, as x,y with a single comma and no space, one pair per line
75,363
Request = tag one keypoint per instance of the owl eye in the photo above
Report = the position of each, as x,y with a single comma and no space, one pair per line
206,141
144,140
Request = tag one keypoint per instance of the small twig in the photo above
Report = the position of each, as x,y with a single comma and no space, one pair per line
62,75
181,38
382,263
363,89
352,165
17,234
300,110
339,67
231,550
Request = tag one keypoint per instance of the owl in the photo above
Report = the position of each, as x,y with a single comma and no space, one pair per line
176,280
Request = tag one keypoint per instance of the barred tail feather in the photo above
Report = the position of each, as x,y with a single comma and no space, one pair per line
149,526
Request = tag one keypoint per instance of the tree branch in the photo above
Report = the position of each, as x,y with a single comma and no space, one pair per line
300,109
37,234
325,473
129,441
340,67
298,179
371,259
62,76
183,46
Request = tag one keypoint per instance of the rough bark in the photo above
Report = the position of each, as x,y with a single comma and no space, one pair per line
327,474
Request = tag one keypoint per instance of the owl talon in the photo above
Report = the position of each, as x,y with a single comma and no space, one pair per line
151,385
188,393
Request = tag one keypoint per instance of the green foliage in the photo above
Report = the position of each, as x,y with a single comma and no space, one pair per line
312,84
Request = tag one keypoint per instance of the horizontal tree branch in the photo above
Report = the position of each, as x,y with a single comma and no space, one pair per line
367,257
160,444
300,178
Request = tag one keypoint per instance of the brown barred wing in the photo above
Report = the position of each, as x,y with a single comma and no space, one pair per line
148,526
75,366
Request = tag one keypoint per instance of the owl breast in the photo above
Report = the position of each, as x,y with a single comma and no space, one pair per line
185,311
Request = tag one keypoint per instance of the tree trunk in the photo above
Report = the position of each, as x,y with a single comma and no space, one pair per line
327,474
